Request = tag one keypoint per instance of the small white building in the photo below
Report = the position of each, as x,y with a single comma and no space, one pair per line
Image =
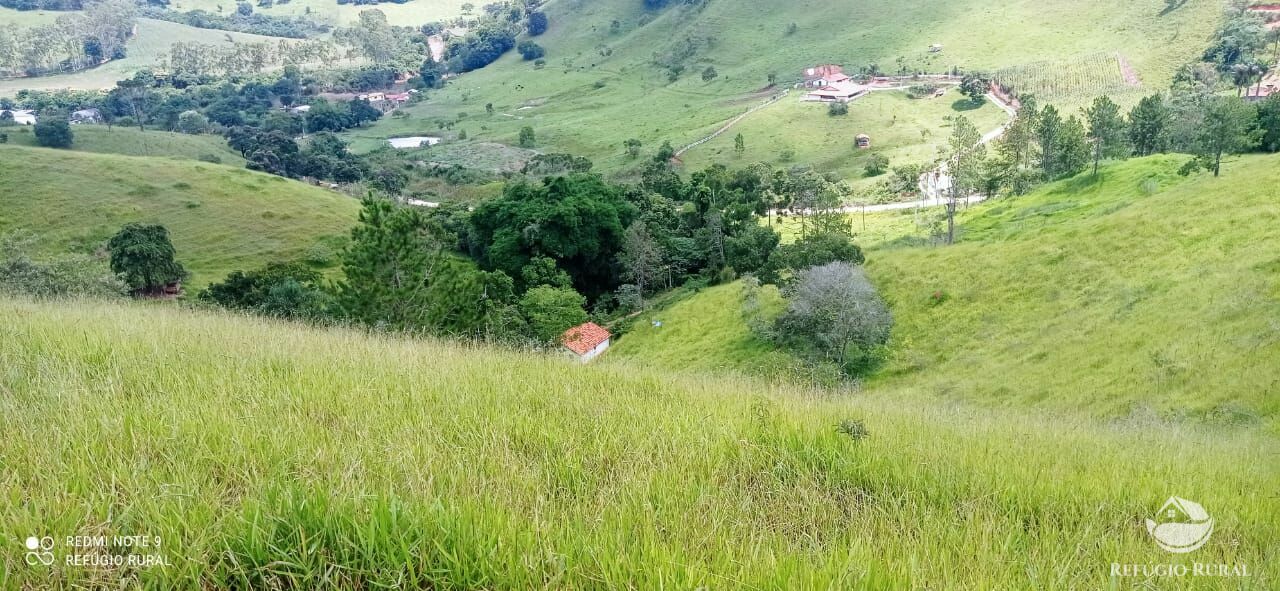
417,141
20,116
586,341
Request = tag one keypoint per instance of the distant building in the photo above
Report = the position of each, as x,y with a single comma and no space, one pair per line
837,92
863,141
300,109
1264,90
85,116
20,116
819,76
935,48
586,341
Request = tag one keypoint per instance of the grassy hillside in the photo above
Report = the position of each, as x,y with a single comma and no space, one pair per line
601,87
29,18
334,459
150,45
220,218
408,14
1141,292
130,141
706,332
902,129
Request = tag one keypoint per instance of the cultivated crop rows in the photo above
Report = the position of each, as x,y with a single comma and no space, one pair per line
1060,80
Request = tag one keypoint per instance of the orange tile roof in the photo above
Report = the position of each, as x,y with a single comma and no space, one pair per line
583,338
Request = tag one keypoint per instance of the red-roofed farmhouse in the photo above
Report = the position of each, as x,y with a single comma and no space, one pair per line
586,341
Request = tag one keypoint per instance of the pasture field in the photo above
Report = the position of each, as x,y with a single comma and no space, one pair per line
28,18
705,332
600,85
129,141
1140,293
903,129
269,455
220,218
146,49
409,14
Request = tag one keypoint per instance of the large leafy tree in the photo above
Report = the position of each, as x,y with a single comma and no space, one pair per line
577,220
144,257
400,275
550,311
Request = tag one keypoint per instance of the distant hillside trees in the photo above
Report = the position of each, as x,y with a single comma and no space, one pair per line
250,22
537,23
43,4
1107,131
579,220
481,47
1150,124
1238,40
530,51
74,41
144,258
1228,127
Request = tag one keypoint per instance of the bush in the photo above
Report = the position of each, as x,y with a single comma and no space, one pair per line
66,276
54,132
531,51
836,315
838,109
877,165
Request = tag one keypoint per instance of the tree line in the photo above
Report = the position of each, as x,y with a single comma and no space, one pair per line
72,42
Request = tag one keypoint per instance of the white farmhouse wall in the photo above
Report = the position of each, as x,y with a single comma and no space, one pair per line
592,354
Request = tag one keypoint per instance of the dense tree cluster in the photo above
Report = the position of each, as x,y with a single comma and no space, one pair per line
74,41
255,23
43,4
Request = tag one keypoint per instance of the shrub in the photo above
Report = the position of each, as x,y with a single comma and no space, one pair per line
70,275
54,133
838,109
877,165
836,315
531,51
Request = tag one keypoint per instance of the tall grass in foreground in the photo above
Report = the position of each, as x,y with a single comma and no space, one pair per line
269,455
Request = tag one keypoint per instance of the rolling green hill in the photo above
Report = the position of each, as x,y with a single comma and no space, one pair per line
220,218
271,455
1143,292
600,85
129,141
407,14
145,50
705,332
1140,294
